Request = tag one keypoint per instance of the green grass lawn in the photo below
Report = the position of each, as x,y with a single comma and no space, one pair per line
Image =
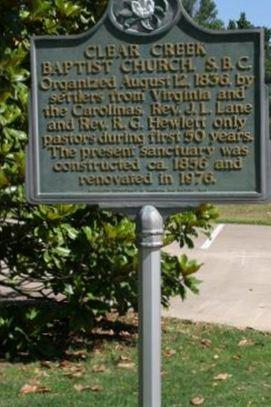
224,367
249,214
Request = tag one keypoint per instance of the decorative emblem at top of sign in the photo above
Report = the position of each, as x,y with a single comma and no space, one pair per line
143,16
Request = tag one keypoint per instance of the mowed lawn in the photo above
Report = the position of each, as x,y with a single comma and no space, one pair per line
202,365
246,214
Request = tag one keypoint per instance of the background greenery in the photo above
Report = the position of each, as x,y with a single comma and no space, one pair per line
79,258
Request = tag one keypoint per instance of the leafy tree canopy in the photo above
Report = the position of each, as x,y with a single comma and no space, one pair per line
204,12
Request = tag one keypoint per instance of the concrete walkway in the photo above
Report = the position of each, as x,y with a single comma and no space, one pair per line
236,279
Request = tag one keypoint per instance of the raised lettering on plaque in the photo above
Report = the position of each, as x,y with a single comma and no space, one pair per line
147,107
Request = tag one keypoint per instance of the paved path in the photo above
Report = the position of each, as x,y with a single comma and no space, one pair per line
236,275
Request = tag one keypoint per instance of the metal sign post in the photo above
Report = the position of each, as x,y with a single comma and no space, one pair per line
150,241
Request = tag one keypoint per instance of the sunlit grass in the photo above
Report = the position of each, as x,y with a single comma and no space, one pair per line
223,366
246,214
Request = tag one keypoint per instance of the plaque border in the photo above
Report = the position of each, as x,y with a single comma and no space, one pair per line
138,199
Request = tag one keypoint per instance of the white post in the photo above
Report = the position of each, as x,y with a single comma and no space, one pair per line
150,241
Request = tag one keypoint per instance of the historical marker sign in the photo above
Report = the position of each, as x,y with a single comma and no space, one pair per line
146,107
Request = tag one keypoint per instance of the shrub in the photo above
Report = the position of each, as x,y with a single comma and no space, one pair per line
78,256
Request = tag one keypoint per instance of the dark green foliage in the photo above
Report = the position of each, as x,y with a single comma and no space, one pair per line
87,259
242,24
80,260
33,329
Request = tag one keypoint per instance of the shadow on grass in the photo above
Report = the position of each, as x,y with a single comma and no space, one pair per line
33,330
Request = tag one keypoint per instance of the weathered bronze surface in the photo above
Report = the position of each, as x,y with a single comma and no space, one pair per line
147,107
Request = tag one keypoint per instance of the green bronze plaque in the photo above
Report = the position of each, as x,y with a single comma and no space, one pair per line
147,107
